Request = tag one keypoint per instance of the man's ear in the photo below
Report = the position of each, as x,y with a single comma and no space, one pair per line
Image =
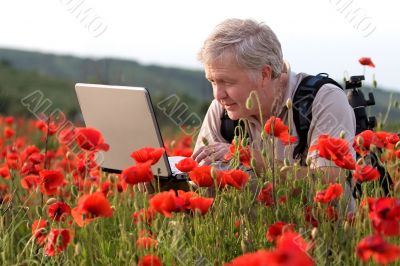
266,73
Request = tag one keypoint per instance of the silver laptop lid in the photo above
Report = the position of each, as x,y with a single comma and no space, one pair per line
125,117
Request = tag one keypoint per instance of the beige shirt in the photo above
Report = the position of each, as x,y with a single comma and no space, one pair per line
331,114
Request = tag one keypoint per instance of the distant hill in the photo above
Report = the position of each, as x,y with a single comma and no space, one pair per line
157,79
24,71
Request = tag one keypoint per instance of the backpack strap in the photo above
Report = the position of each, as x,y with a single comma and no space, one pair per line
302,109
228,127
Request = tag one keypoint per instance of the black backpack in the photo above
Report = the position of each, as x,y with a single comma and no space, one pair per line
302,116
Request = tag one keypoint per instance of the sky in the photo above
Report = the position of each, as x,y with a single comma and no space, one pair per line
316,35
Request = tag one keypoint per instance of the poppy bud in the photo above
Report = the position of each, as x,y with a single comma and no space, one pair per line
397,145
77,249
309,161
213,173
314,232
69,155
253,163
374,82
249,103
204,140
289,103
342,134
360,161
286,162
346,226
264,153
113,177
235,141
244,142
373,148
51,201
284,168
360,141
263,135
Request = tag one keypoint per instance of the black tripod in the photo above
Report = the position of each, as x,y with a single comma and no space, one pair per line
363,122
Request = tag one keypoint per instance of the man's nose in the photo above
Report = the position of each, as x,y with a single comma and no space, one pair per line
219,92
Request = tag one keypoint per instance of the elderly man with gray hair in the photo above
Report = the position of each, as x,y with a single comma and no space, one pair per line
243,58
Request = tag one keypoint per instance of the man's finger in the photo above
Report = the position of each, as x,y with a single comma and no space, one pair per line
194,155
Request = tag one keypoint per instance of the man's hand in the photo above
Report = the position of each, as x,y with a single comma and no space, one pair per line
211,153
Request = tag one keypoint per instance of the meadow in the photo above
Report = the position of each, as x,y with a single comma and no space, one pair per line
59,208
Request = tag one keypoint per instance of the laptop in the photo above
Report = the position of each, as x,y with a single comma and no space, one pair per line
125,117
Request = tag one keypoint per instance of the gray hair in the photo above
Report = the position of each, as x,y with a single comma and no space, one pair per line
252,43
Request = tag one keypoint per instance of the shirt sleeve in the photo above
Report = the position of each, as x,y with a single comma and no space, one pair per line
211,127
331,114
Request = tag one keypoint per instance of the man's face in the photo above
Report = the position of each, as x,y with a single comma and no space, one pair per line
232,86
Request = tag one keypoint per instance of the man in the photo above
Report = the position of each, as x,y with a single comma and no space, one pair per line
244,56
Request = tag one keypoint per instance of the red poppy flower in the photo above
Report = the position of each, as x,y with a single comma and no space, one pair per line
201,176
266,196
8,133
57,241
46,127
381,251
258,258
90,139
185,196
186,165
150,260
236,178
67,135
389,139
243,153
333,192
366,61
368,202
5,172
139,173
336,150
90,207
309,217
365,173
144,215
362,142
58,211
275,230
9,120
28,151
385,216
166,203
275,127
39,231
146,243
148,154
51,181
291,250
200,204
331,213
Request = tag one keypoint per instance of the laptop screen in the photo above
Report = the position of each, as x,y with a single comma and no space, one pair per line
125,117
